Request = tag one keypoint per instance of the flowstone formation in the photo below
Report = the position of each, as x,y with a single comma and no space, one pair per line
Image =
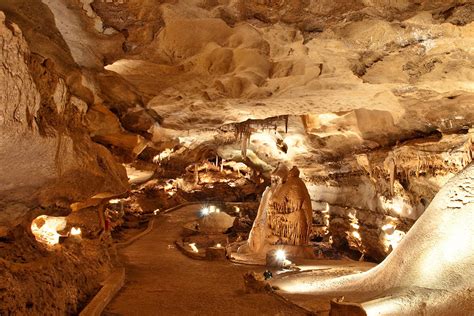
284,217
430,271
289,212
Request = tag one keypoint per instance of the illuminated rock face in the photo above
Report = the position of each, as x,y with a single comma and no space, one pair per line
45,229
46,156
284,216
289,212
257,234
430,272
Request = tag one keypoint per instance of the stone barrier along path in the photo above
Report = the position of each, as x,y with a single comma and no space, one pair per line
160,280
111,286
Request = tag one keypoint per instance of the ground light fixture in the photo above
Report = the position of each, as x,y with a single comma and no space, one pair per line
75,231
280,255
193,247
205,211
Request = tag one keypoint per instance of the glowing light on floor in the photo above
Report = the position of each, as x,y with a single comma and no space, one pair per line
355,226
205,211
76,231
356,235
45,229
397,205
209,210
388,227
280,255
193,247
218,245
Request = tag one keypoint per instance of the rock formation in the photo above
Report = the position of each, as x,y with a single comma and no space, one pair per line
284,216
433,260
55,162
259,233
289,212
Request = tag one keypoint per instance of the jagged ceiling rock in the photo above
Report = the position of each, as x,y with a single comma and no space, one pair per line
392,52
37,23
105,128
90,44
287,57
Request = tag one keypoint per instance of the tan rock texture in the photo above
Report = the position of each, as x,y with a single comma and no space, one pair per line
46,157
284,216
430,270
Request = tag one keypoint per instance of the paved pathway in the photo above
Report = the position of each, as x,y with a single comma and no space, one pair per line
160,280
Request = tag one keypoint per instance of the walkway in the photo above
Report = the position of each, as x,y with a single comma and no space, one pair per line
160,280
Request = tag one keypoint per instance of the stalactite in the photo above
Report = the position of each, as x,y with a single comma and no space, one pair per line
244,145
390,166
418,166
289,211
468,150
196,174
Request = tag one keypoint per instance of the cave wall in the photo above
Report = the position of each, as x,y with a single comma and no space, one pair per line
385,71
47,156
370,178
355,205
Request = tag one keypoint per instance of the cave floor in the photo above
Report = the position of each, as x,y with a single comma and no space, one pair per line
160,280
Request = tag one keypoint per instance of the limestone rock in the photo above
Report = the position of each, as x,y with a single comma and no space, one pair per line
38,119
290,212
105,128
216,222
285,214
140,121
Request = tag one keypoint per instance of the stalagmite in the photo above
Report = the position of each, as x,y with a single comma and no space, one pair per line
244,145
196,174
418,166
285,214
469,149
390,167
